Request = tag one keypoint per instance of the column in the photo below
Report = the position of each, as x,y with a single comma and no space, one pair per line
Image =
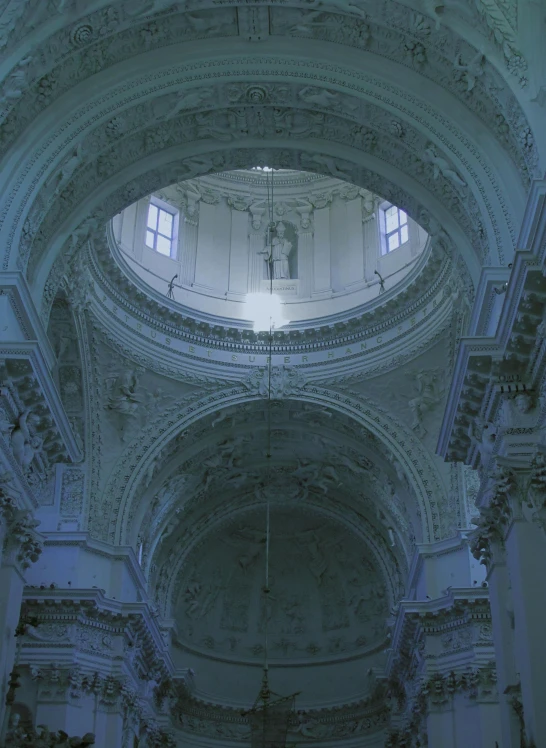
305,262
520,587
238,257
441,723
188,249
322,252
256,263
355,271
370,239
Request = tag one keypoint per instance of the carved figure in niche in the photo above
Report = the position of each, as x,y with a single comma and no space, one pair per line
280,252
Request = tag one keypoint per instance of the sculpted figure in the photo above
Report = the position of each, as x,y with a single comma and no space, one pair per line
441,166
483,434
324,164
66,170
296,124
84,231
16,84
472,70
31,448
123,396
10,14
523,402
280,252
198,165
319,97
21,441
429,394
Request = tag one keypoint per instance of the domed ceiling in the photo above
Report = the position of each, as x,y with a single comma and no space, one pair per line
328,600
202,244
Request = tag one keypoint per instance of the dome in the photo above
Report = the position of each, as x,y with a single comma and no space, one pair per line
202,243
328,600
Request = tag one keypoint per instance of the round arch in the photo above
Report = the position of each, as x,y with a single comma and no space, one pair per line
112,521
455,159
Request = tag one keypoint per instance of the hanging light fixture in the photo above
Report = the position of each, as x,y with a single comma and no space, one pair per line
271,713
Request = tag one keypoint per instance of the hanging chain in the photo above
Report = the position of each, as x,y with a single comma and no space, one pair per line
270,196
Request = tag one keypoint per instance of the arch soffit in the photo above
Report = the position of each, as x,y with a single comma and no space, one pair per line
111,520
364,498
439,137
417,40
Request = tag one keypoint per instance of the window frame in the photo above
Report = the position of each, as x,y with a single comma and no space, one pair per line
161,205
386,235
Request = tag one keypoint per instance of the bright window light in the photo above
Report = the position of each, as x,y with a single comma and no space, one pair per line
395,228
266,311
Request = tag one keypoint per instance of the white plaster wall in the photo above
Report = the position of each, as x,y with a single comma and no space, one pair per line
320,685
77,567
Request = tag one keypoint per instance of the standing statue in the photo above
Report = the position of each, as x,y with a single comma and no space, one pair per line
280,252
